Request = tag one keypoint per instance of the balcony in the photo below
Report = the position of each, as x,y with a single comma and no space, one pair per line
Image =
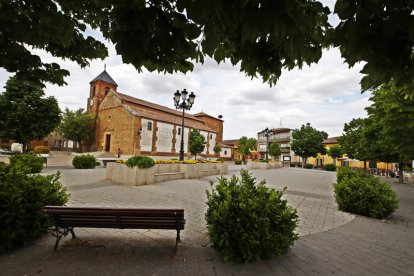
274,139
285,149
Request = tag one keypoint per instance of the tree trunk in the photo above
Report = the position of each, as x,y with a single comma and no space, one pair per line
303,161
80,146
365,165
334,161
195,156
401,173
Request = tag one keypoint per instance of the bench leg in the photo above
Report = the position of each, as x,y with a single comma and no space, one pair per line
60,233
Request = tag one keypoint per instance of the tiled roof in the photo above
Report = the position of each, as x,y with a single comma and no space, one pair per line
277,130
231,142
205,114
168,118
331,140
167,115
133,100
104,76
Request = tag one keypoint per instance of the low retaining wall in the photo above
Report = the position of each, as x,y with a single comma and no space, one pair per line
162,172
263,166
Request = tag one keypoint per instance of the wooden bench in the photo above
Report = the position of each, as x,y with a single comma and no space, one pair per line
105,161
67,218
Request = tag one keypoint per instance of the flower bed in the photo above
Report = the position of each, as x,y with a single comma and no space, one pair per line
119,172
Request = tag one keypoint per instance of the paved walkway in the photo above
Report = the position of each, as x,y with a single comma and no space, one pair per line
331,242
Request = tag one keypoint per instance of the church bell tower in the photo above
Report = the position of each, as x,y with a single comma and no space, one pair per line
99,88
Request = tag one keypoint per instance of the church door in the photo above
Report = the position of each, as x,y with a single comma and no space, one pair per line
108,142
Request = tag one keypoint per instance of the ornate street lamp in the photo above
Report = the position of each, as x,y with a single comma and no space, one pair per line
186,104
267,133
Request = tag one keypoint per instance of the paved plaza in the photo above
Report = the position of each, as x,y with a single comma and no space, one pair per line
331,242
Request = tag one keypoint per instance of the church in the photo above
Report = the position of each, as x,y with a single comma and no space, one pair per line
132,126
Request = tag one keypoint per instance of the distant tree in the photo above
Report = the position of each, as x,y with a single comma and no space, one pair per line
25,114
274,149
217,148
308,142
76,126
245,145
351,139
197,142
335,152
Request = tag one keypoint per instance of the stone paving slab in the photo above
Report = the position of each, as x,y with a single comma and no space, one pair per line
331,242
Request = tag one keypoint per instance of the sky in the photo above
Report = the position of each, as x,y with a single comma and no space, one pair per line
326,94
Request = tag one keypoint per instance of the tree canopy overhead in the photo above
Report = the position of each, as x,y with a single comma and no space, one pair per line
263,36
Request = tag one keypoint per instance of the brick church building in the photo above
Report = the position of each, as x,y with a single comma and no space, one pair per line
137,127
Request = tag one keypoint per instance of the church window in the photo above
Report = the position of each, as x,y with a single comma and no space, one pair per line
93,91
149,126
179,131
106,90
211,136
225,152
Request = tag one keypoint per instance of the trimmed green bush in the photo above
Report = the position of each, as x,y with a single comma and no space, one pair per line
366,195
392,174
330,167
84,161
30,160
220,159
308,166
237,161
141,162
247,222
345,172
22,196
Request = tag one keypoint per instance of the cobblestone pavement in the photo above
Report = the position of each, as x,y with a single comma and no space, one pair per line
331,242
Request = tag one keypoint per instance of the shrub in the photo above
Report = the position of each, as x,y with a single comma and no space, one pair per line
392,174
345,172
29,160
366,195
237,161
141,162
308,166
220,159
299,165
330,167
22,197
84,161
41,149
247,222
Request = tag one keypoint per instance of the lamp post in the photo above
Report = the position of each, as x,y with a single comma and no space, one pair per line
186,104
267,134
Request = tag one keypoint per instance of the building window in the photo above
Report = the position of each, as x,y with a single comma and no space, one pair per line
149,126
225,152
179,131
93,91
211,136
106,90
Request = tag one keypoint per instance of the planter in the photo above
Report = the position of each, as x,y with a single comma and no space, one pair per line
263,165
121,173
